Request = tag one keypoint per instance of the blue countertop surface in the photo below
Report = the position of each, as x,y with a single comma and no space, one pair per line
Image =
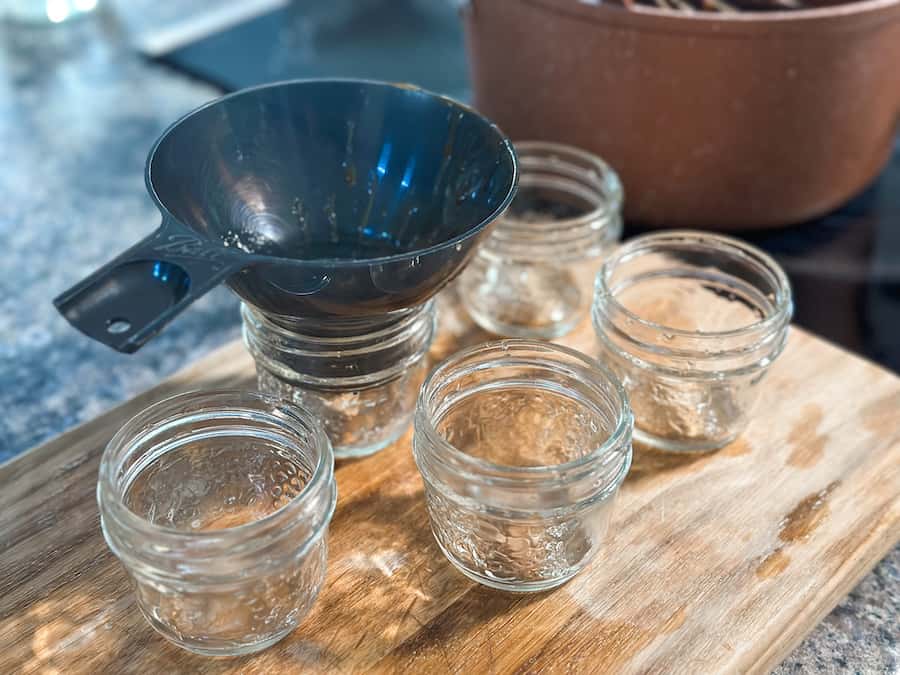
78,112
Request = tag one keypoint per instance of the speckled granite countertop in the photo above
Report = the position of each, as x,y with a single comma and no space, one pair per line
78,112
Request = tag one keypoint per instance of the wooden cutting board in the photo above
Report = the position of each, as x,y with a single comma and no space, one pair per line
717,563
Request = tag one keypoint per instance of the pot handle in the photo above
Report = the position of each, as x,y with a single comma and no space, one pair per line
131,298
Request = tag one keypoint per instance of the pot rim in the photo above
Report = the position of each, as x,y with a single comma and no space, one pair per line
743,24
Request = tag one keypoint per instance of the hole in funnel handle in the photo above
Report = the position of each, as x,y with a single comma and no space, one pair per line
118,326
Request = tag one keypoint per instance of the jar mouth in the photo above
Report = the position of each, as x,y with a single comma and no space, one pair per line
394,330
524,352
165,416
565,199
313,354
774,321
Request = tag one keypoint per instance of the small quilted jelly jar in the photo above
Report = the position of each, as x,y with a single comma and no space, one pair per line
691,323
529,278
359,376
522,446
218,505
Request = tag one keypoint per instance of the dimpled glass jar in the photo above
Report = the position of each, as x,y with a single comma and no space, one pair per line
528,279
522,446
218,505
359,376
691,322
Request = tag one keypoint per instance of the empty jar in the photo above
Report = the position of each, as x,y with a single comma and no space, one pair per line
218,505
529,278
691,322
359,376
522,446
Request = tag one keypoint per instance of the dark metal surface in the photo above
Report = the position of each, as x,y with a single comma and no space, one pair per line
311,198
417,41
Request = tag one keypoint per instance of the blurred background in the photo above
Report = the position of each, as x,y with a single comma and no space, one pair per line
85,89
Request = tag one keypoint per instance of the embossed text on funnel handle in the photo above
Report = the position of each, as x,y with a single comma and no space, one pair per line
131,298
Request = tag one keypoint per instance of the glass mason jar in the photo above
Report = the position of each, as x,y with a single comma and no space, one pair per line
528,279
522,446
218,505
359,376
691,322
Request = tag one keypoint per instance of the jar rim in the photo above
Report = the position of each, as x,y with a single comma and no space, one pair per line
613,191
148,421
782,306
619,435
570,170
382,337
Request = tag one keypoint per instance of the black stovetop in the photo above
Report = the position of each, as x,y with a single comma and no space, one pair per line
845,269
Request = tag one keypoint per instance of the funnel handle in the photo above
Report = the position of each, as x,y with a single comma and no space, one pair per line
131,298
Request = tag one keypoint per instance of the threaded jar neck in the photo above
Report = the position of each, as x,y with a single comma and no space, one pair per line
523,427
692,304
567,207
194,429
361,352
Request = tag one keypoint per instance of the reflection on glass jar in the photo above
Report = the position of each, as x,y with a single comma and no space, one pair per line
218,505
691,322
522,446
529,278
359,376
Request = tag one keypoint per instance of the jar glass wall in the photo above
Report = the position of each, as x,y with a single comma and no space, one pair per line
528,279
359,376
522,446
218,506
691,322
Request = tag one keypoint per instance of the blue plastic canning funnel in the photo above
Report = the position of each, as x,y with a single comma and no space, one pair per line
321,198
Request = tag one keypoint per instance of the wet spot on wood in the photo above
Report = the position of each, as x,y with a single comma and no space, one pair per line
882,415
807,445
648,462
623,640
456,330
736,448
674,622
773,564
807,515
621,643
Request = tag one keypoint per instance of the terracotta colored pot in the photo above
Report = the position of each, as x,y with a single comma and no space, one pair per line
735,121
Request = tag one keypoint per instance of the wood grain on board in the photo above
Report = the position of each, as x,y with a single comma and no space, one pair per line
715,563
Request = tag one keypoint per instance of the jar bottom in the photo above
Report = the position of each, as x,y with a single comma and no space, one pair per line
532,300
242,617
687,446
548,331
511,586
359,422
228,650
208,648
511,554
364,450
